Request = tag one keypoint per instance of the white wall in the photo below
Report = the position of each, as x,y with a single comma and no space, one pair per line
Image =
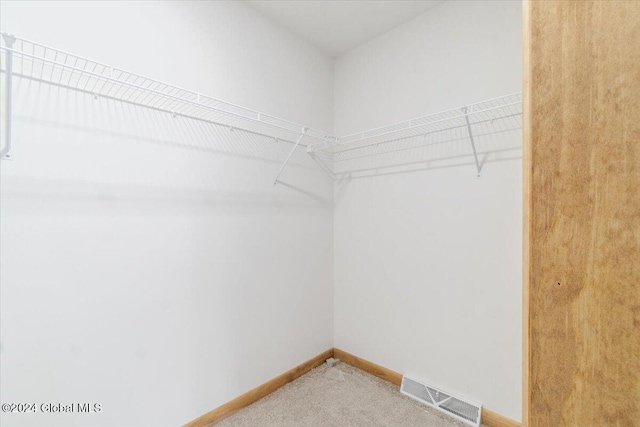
148,264
428,263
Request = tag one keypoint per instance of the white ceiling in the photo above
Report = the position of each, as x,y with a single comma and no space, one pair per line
336,27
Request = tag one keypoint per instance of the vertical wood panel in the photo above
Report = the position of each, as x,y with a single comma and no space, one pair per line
582,168
526,197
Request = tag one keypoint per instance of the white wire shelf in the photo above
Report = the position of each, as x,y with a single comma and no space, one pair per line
25,59
465,123
45,64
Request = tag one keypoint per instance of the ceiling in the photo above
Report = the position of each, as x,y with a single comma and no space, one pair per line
336,27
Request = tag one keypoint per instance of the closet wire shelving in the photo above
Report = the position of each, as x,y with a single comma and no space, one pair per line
37,62
488,117
34,61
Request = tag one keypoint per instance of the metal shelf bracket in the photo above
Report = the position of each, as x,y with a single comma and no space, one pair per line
9,40
473,144
304,131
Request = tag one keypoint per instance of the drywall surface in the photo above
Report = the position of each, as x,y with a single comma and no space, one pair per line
427,256
148,263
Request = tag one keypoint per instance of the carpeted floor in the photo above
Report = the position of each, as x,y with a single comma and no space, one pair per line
338,396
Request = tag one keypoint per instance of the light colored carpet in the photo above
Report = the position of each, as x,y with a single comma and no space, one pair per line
338,396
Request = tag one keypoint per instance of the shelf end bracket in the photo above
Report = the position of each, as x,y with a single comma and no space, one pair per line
304,131
9,40
473,144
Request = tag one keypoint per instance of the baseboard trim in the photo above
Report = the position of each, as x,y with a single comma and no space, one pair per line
259,392
370,367
494,419
489,417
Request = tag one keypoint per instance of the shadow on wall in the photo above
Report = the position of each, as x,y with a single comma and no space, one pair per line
68,144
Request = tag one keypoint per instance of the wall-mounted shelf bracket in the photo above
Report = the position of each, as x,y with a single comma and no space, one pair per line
304,131
467,111
9,40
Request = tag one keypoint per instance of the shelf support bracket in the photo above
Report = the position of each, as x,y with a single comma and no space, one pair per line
473,144
9,40
304,131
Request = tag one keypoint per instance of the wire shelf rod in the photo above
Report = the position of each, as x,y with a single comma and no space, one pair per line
361,143
42,63
168,98
156,109
59,51
418,146
452,110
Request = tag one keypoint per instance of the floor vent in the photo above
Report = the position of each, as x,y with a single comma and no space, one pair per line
463,410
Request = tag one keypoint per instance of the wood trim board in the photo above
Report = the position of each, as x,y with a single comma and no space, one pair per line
527,206
582,213
494,419
369,367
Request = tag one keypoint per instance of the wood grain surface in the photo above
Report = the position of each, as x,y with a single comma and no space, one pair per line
582,171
